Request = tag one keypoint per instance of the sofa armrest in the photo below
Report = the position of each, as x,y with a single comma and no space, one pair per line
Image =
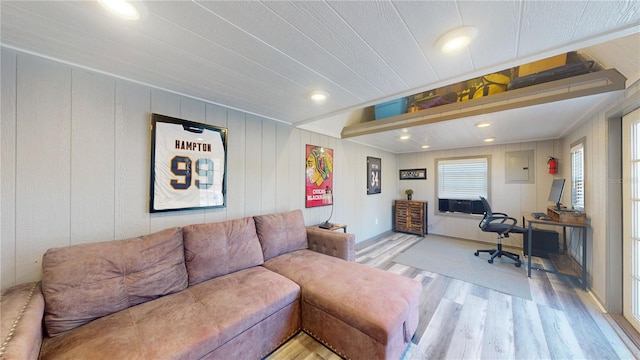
22,310
332,243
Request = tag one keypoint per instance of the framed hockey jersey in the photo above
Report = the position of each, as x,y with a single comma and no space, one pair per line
188,165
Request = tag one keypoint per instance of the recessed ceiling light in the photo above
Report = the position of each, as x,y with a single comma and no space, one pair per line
121,8
489,140
483,124
405,137
319,96
455,39
425,146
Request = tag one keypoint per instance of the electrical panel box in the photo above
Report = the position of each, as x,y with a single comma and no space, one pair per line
519,167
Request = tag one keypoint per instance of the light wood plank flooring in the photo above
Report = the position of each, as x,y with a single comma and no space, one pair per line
460,320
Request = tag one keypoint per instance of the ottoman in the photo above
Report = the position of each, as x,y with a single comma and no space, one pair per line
356,310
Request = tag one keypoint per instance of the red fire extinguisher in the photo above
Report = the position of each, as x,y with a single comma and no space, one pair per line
553,165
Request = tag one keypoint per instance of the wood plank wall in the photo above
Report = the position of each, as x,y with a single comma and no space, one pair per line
76,154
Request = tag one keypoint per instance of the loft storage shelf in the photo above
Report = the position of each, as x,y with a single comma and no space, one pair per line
569,88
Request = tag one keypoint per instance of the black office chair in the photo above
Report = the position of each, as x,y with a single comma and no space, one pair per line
503,225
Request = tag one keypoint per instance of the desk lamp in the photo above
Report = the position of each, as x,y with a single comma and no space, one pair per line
328,198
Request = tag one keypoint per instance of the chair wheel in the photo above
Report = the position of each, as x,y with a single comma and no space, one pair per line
490,261
476,253
518,264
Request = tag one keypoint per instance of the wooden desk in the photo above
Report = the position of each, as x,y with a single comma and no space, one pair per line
334,227
564,264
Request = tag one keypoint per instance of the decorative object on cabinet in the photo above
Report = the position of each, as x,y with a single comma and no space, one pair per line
374,175
409,193
413,174
188,165
318,176
410,217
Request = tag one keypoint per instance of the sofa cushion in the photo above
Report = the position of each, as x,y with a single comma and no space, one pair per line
281,233
83,282
190,324
301,266
221,248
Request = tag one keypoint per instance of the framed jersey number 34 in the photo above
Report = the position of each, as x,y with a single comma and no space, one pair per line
374,175
188,165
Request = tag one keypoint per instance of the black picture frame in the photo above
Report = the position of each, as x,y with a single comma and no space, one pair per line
413,174
374,175
188,165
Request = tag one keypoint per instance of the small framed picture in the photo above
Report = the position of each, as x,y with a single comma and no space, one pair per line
374,175
413,174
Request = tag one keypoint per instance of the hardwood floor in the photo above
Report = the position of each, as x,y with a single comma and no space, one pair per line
460,320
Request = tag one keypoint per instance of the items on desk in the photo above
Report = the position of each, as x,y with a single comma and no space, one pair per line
566,216
541,216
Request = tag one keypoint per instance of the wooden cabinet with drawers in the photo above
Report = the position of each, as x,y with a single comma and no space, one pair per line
410,216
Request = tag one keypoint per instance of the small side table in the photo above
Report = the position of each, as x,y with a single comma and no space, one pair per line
334,227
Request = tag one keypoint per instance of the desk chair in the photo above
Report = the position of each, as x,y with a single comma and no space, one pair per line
503,225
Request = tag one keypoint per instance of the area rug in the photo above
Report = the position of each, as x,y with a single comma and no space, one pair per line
455,258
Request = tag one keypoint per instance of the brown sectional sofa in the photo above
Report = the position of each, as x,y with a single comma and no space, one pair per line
236,289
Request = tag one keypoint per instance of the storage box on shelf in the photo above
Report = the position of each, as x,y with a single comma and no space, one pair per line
542,65
391,108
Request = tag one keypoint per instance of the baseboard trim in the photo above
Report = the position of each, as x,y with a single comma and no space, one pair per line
626,332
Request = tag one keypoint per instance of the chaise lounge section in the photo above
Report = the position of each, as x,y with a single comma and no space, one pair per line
233,289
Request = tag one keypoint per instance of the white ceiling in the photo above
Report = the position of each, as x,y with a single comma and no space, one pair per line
265,57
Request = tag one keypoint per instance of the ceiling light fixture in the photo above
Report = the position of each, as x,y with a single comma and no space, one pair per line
483,124
319,96
405,137
456,39
489,140
425,146
121,8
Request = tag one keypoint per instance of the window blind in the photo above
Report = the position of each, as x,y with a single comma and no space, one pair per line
462,179
577,177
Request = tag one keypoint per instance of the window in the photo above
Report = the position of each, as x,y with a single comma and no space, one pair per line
577,175
463,178
631,217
